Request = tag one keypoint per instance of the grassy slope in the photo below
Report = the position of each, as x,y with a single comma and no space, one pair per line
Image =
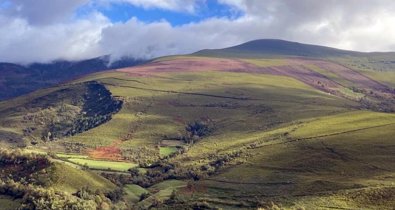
151,114
378,67
162,191
71,179
133,192
316,164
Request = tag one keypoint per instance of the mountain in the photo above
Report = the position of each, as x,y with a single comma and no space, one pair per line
276,131
276,47
16,80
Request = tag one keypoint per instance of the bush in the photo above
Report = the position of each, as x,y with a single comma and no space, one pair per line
143,196
198,129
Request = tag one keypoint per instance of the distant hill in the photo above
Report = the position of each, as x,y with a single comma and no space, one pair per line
16,80
276,47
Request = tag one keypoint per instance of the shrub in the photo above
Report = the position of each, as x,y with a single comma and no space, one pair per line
198,129
144,196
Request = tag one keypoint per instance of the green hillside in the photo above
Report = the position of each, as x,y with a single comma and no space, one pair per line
36,181
210,132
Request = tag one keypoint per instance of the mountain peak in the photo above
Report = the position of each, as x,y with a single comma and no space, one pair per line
277,47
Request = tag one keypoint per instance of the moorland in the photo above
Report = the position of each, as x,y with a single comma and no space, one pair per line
267,124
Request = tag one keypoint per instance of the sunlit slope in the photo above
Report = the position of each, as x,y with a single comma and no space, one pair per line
70,179
238,103
340,161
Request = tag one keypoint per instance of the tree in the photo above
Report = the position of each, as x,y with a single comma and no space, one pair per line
134,171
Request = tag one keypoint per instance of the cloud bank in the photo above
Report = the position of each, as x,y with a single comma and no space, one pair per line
41,31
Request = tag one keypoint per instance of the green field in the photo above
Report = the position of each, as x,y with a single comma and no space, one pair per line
68,156
166,151
162,191
133,192
103,165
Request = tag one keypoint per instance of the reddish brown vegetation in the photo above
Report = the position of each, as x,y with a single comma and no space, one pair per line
111,152
186,65
297,68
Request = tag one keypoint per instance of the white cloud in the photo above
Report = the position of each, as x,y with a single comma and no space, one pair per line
43,12
354,24
21,42
175,5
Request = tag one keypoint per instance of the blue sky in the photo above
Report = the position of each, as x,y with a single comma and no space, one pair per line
123,11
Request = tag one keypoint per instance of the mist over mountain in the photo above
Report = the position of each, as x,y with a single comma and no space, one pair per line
16,80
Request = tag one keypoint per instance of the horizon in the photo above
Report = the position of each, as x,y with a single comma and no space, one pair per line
111,60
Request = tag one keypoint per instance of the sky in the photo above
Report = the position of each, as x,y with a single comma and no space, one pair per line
47,30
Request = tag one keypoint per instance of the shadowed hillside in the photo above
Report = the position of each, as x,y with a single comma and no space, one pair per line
16,80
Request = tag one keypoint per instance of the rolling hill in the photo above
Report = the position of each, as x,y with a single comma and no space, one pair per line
269,124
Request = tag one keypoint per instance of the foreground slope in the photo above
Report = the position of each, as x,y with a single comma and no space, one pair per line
225,132
341,161
36,181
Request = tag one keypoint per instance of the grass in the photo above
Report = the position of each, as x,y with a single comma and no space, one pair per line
162,191
133,192
160,118
135,189
103,165
255,102
169,184
69,156
387,78
346,122
339,161
166,151
329,75
70,179
347,92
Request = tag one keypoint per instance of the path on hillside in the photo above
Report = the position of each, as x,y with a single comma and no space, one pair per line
185,93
